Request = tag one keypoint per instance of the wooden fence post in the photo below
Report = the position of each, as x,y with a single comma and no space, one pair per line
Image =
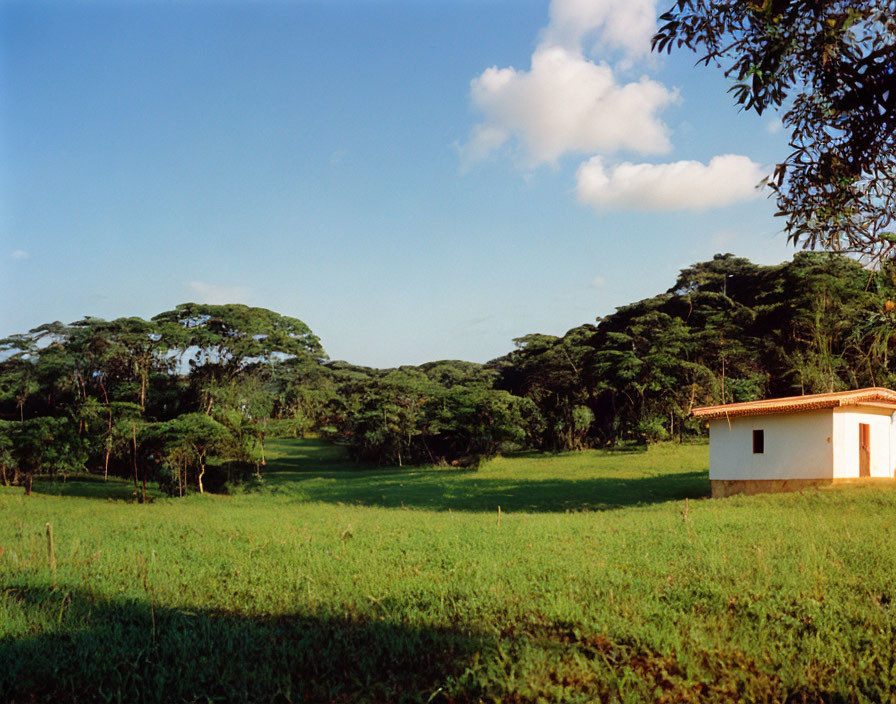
51,550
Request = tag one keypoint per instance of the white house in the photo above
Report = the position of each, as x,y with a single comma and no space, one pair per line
785,444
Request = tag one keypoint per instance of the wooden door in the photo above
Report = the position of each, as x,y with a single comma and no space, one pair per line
864,450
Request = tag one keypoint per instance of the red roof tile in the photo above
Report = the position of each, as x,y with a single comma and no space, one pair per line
875,396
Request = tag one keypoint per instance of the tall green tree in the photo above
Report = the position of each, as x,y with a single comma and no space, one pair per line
18,382
245,406
45,445
187,442
554,374
7,460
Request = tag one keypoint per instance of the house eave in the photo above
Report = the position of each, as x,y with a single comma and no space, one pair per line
875,397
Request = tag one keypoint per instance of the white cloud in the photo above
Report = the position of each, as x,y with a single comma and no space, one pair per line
567,104
484,140
572,101
682,185
217,295
19,254
598,282
625,25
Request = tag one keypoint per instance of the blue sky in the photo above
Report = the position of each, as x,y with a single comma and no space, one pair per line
416,180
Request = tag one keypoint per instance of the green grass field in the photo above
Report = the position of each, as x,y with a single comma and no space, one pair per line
606,576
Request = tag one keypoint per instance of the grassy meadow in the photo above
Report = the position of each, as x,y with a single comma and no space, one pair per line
605,576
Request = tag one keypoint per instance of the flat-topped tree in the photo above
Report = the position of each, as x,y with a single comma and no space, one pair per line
733,277
130,350
110,360
229,338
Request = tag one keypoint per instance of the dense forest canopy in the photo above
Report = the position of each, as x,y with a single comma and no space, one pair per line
157,400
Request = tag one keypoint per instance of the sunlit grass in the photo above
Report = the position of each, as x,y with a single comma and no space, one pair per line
596,580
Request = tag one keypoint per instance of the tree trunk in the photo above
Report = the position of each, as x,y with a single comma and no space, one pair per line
426,447
5,478
29,481
202,455
109,431
135,456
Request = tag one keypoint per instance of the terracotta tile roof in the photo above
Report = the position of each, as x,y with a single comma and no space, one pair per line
875,396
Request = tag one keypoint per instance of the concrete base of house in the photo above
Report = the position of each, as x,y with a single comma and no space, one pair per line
729,487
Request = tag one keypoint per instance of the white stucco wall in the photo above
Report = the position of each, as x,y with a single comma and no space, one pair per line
892,462
846,434
797,446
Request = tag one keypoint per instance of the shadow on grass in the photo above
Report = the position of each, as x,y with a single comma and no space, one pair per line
97,649
90,648
318,472
90,487
437,494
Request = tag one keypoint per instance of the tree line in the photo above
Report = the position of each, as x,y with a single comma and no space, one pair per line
189,398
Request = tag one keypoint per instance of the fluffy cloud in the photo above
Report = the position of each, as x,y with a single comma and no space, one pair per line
572,101
625,25
682,185
19,254
218,295
567,104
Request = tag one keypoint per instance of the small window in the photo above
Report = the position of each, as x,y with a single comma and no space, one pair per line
758,442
